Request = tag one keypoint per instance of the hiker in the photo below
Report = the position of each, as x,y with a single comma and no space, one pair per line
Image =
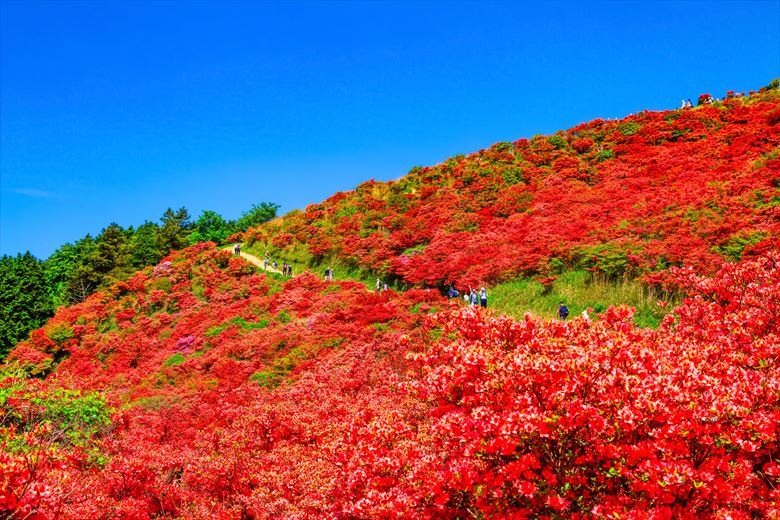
265,264
483,298
474,298
563,311
690,103
237,249
289,270
452,293
276,266
328,274
284,268
378,286
585,315
385,286
684,104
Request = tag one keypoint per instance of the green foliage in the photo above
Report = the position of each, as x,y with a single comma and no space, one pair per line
175,229
60,334
738,242
216,330
174,360
256,215
272,377
247,325
580,290
774,84
629,128
25,301
503,146
558,141
609,259
145,245
513,176
605,154
210,227
72,417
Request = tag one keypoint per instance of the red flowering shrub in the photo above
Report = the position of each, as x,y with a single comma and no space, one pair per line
234,394
675,186
588,419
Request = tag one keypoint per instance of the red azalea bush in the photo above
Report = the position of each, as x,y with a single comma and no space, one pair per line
234,394
241,397
674,187
585,419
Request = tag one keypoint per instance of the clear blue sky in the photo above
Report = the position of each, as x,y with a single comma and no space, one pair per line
116,111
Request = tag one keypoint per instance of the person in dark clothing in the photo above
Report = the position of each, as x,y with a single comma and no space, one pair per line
452,293
483,298
563,311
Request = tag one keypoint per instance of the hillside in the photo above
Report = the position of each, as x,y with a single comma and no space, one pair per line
656,189
204,388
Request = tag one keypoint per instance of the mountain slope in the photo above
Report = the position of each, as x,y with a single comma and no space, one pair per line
203,388
655,189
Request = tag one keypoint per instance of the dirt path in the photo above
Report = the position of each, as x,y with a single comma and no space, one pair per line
254,260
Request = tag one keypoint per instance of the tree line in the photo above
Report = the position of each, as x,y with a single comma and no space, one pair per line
31,288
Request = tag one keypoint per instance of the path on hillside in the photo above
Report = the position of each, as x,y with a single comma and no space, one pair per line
254,260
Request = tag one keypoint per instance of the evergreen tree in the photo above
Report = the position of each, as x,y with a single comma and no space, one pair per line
210,226
70,275
176,226
145,245
25,302
256,215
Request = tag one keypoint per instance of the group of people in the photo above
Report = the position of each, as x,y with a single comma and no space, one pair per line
563,312
471,296
237,249
286,268
687,103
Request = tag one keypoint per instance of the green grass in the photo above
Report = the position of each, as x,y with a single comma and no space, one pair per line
579,291
174,360
301,261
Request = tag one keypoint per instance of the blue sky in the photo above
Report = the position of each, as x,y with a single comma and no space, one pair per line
115,111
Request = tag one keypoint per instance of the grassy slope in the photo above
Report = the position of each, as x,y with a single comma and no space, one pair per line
579,289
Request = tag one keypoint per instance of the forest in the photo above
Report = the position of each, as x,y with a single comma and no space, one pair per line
31,289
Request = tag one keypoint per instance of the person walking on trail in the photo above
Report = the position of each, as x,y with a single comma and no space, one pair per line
276,266
474,298
328,274
265,264
452,293
563,311
483,298
237,249
378,286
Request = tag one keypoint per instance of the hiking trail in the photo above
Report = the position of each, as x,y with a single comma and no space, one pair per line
254,260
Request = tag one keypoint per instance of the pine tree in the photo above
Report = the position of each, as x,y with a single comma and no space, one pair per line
25,302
